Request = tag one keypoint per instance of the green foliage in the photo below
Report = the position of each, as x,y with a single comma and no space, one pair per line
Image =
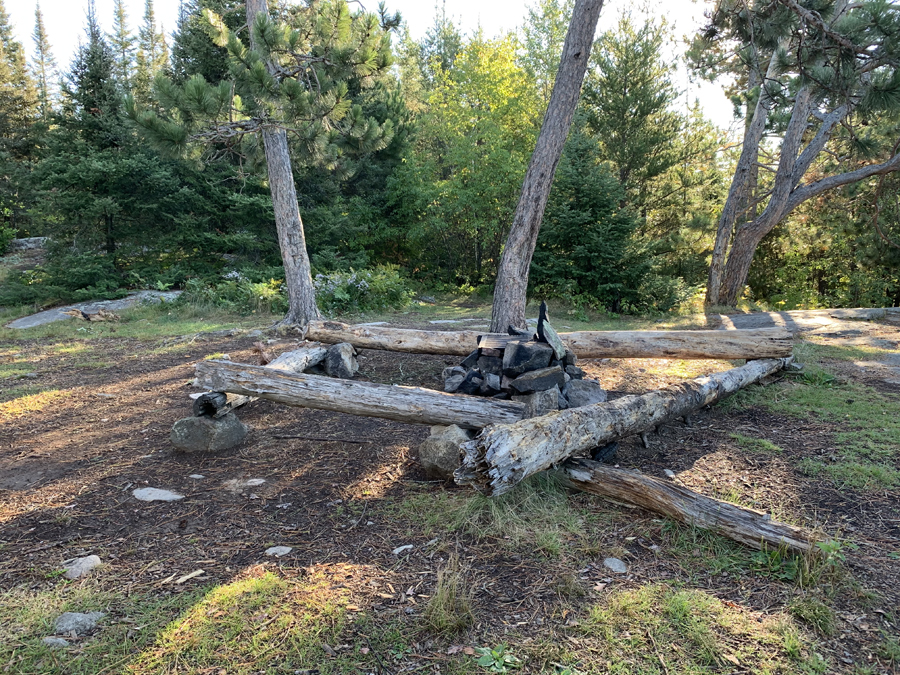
236,294
7,234
497,659
363,290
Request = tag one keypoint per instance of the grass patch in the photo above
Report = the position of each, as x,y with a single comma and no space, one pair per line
657,628
131,625
20,401
536,514
868,442
814,612
756,444
449,609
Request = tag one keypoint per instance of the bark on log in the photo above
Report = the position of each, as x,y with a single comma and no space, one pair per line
749,527
761,343
412,405
218,403
502,455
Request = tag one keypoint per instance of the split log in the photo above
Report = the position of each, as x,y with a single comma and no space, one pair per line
502,455
752,528
218,403
413,405
758,343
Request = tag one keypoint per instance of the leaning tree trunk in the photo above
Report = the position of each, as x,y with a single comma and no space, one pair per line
512,277
297,271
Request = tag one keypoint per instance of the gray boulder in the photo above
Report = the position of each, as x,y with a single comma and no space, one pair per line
540,402
208,434
76,622
451,384
439,453
539,380
340,361
583,392
521,357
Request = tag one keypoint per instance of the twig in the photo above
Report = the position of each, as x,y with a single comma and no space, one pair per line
319,438
662,661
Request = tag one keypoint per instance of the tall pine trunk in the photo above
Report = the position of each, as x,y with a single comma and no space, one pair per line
512,277
291,239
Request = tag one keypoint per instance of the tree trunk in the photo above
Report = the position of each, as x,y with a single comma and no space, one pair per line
502,455
512,277
297,271
413,405
749,527
676,344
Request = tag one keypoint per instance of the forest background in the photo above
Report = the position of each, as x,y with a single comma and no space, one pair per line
629,227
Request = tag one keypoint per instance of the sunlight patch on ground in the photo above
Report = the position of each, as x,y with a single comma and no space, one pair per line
27,404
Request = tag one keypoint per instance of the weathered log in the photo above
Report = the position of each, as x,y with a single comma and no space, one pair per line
749,527
413,405
502,455
218,403
758,343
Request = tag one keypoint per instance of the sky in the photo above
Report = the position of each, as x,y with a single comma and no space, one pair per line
65,19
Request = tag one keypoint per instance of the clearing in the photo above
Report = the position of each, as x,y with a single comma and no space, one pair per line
392,573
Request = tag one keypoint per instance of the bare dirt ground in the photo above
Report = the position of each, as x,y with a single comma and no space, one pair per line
342,490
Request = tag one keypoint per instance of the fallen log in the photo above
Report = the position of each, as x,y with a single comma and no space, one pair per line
675,344
218,403
413,405
752,528
503,454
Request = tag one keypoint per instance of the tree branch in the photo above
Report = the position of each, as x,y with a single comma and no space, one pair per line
810,190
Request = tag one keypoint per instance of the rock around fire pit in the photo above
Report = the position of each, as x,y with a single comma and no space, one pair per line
520,365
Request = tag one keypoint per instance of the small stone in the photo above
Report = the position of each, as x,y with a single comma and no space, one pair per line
78,567
551,337
539,380
470,360
340,361
490,364
278,551
454,370
208,434
401,549
561,401
615,565
540,402
570,359
583,392
521,357
55,642
487,351
491,384
451,384
471,383
241,484
669,473
196,476
575,372
76,622
439,453
150,494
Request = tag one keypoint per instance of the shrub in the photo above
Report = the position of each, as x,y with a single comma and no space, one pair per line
7,234
237,294
379,288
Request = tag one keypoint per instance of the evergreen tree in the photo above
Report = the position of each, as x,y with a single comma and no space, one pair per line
152,55
193,53
43,64
92,99
292,79
18,110
122,44
628,94
543,36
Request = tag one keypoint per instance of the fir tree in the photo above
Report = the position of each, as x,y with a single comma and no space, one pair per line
193,53
152,55
43,65
92,99
121,41
292,79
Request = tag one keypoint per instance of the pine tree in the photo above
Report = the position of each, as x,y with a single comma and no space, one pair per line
92,99
292,79
43,65
542,38
121,41
152,55
193,53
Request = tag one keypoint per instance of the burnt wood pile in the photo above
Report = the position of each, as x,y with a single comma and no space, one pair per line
521,364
